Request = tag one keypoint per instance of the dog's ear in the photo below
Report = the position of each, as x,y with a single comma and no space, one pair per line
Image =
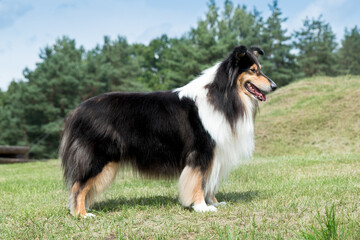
256,51
240,52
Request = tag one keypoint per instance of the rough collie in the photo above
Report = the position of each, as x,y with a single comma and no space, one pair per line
199,132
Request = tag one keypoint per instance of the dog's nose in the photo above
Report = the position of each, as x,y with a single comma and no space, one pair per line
273,86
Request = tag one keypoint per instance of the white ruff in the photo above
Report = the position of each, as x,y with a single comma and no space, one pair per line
231,147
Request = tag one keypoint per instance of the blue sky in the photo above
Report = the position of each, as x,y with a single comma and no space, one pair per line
28,26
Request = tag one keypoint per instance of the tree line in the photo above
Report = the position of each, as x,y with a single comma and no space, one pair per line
33,110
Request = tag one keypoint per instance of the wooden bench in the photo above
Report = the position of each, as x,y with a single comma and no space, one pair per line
14,154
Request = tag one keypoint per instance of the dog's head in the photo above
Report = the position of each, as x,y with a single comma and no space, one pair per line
247,74
238,77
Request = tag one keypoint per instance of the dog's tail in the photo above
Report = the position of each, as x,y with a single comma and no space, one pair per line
74,156
76,163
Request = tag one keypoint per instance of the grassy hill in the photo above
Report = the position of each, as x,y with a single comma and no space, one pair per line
313,116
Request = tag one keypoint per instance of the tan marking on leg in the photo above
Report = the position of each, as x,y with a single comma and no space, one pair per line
213,198
101,182
107,175
190,186
75,188
94,186
198,192
80,200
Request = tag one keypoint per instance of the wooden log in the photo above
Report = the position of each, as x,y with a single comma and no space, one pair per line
21,150
15,160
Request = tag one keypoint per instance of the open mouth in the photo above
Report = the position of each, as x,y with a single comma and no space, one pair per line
255,91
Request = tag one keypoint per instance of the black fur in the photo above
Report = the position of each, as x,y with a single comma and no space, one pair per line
223,91
155,132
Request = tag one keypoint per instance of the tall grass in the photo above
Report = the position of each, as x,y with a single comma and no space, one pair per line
326,228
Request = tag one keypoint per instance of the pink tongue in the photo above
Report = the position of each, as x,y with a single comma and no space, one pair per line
261,96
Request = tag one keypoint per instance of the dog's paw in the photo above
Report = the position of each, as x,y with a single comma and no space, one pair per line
89,215
211,209
202,207
219,204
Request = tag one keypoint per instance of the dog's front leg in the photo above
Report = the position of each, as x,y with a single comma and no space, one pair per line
192,190
211,200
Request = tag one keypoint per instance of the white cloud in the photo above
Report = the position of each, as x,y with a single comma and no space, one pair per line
11,10
154,32
331,10
320,7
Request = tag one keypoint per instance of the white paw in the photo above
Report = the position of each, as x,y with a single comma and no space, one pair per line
202,207
219,204
211,209
89,215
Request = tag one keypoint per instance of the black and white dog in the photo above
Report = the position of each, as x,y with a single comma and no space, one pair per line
199,132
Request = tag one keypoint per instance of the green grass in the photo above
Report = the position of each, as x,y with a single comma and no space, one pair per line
269,198
312,116
328,227
304,183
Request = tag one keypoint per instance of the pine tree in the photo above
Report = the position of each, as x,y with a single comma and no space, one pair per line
348,57
247,26
152,61
2,97
117,67
316,45
227,32
53,89
204,38
278,61
210,41
12,120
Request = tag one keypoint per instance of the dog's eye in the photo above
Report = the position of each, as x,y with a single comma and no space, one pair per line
253,70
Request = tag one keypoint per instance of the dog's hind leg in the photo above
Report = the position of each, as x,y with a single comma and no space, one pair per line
192,191
72,197
83,195
80,199
101,182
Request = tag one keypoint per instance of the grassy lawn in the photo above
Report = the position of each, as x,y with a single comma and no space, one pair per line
300,197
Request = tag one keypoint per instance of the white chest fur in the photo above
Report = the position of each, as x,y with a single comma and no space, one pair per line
232,146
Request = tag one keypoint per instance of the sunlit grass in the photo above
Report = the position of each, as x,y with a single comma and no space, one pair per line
271,198
312,116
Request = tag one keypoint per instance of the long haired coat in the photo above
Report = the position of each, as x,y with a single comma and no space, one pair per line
200,131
